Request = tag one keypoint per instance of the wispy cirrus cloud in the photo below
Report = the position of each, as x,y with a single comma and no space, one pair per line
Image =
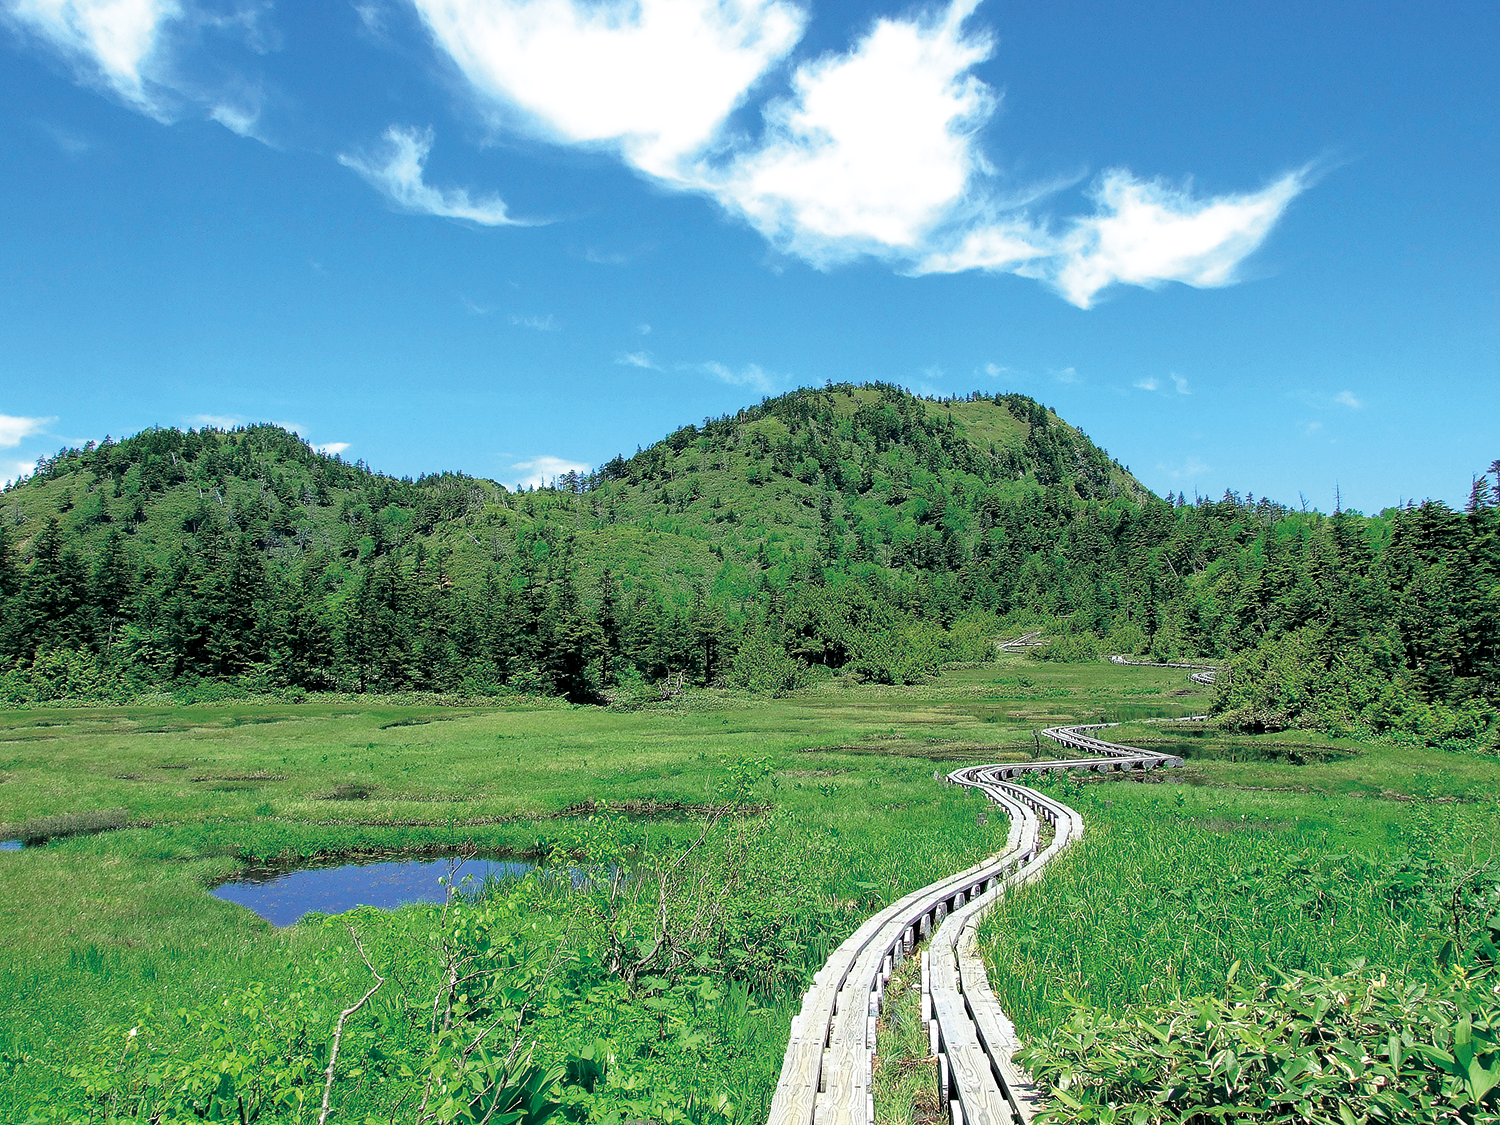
1152,383
138,50
398,173
113,43
548,323
638,359
332,448
541,471
1346,398
216,421
15,429
1190,469
14,470
231,421
750,375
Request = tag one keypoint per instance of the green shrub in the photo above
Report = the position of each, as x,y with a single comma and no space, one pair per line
763,666
1073,648
1316,1049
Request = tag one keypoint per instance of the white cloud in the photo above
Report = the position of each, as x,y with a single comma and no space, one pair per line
656,78
548,323
1180,384
637,359
871,151
14,430
399,175
751,375
372,17
643,329
1147,385
113,41
1147,232
71,141
332,448
1310,428
1066,375
230,421
874,148
473,307
605,257
541,471
216,421
137,49
1346,398
1190,469
1004,248
238,119
12,471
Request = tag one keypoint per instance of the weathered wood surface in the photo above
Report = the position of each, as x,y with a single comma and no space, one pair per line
1204,676
826,1076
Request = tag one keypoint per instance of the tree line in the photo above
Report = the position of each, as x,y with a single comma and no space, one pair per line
896,540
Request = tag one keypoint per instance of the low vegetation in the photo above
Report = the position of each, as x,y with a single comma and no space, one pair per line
1211,954
763,832
710,689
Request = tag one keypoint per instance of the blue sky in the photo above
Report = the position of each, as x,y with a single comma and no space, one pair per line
1242,246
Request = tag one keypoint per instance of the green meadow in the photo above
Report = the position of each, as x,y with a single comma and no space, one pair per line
757,833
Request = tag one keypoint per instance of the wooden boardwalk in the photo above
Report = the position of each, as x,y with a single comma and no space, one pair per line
1205,674
827,1073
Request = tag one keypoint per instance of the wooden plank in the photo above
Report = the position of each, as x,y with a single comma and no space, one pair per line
796,1091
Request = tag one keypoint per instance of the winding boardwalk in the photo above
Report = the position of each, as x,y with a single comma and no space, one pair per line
827,1075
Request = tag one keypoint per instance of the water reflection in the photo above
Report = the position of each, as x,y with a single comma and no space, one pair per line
11,845
283,897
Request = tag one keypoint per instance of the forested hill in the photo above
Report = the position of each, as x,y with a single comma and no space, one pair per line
854,527
871,473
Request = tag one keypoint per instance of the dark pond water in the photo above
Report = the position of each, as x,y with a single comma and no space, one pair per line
1218,750
283,897
1135,712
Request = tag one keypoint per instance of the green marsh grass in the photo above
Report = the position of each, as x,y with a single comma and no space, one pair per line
1171,887
905,1070
97,929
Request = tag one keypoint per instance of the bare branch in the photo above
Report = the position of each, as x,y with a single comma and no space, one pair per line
338,1031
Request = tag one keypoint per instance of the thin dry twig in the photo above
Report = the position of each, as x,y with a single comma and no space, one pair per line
338,1031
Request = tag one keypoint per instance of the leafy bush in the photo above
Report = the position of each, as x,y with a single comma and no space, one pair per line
1072,648
763,666
1320,1050
1297,681
61,674
903,654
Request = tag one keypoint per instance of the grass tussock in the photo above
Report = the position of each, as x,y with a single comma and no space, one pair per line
905,1071
38,830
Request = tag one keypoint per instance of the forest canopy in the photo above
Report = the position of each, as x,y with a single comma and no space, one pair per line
851,528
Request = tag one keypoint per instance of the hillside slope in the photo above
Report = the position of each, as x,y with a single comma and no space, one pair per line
864,474
852,527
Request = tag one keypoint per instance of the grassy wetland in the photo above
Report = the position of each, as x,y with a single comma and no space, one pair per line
705,694
755,834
